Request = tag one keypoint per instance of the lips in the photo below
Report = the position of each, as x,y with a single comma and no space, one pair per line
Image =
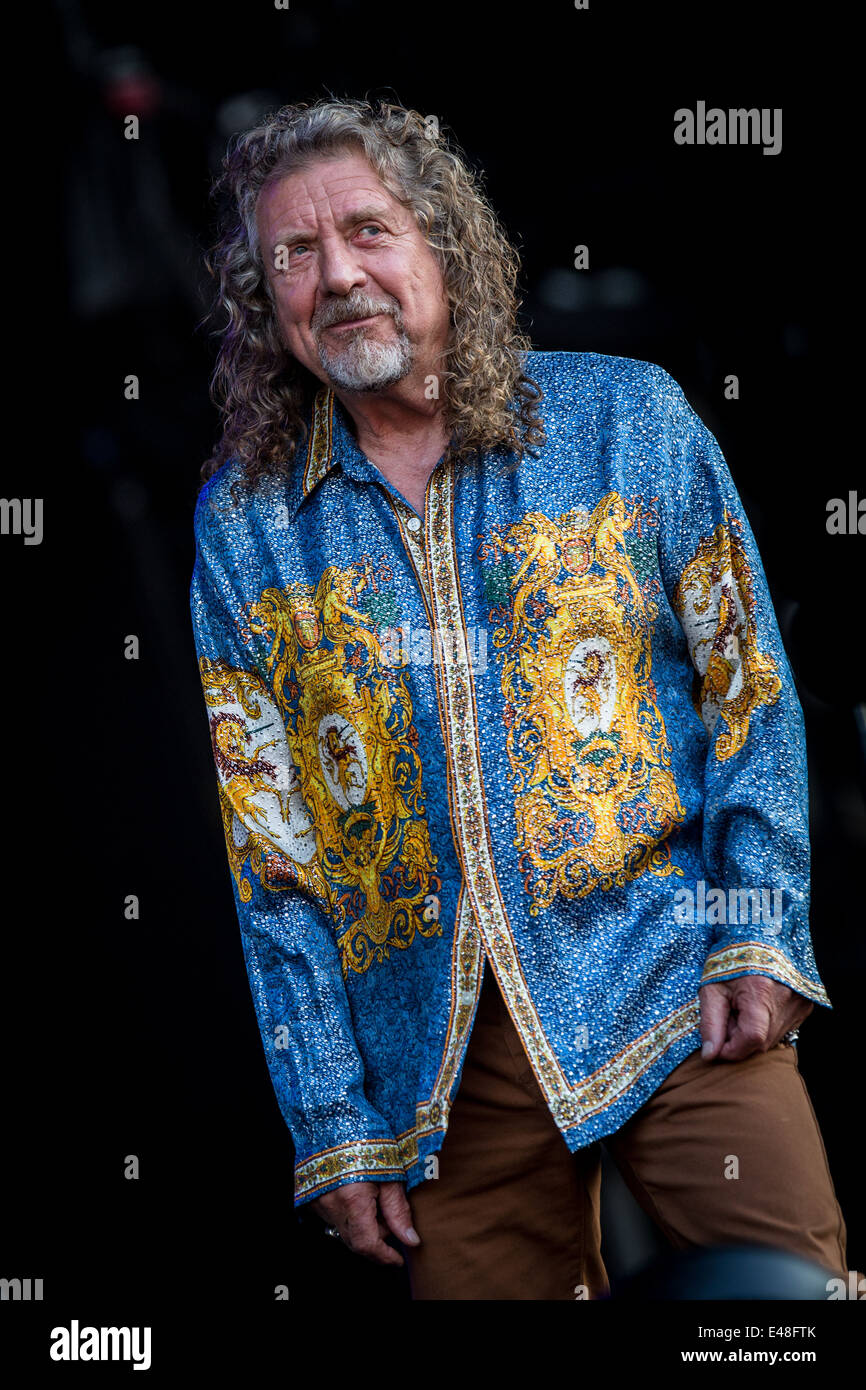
354,323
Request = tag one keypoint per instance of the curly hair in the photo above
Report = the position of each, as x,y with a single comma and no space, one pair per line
262,392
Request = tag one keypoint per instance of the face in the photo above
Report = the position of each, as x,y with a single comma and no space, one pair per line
359,295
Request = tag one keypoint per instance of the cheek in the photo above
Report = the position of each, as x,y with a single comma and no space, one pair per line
423,301
405,277
432,295
294,311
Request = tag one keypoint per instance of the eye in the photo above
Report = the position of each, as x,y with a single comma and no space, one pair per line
371,227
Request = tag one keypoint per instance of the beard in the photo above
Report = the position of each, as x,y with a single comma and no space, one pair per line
363,363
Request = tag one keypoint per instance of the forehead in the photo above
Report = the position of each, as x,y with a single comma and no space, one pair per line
323,190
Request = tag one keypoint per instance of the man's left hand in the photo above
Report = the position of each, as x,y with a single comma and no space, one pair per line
749,1014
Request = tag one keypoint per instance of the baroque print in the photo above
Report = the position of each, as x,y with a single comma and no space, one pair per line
594,795
320,778
265,821
714,600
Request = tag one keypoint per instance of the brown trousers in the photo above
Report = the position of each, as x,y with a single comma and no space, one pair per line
513,1214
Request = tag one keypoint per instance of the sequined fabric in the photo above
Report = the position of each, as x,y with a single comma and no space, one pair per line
550,725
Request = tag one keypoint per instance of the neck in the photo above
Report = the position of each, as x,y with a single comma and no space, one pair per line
401,433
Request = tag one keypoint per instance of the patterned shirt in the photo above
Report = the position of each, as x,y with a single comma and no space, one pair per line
549,725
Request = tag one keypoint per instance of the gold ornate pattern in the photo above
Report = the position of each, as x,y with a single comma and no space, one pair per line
338,808
715,603
594,796
265,821
348,718
757,955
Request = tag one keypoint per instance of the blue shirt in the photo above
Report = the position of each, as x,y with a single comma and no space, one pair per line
551,723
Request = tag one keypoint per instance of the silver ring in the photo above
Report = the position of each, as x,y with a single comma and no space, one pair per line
332,1231
791,1036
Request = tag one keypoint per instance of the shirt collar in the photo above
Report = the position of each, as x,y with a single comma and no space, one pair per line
330,443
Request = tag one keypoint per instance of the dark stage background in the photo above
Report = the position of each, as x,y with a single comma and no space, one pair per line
138,1037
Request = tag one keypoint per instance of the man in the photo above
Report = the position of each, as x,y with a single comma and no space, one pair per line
510,759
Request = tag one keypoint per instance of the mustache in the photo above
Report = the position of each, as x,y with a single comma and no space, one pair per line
350,309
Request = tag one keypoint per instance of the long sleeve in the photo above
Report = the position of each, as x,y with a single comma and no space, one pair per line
756,810
291,954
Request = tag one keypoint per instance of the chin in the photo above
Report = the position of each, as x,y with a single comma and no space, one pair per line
366,376
365,385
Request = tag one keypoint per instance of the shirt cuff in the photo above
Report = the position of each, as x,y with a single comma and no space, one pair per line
362,1160
757,958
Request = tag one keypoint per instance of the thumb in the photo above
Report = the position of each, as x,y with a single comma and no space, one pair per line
396,1212
715,1008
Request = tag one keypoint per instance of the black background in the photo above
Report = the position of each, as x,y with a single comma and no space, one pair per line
139,1037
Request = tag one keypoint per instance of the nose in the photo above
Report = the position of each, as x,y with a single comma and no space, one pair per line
340,270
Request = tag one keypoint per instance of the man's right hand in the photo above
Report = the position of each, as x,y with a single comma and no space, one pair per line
365,1213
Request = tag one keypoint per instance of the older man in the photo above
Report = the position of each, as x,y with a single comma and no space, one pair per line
510,759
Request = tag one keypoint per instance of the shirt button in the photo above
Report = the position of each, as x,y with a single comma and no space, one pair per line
414,523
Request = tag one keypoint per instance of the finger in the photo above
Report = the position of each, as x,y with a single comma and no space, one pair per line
360,1226
396,1213
715,1009
353,1211
372,1244
751,1030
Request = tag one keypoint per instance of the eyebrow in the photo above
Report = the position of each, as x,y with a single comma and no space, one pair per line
371,212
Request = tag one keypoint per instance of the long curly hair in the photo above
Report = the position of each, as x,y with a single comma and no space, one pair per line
262,392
